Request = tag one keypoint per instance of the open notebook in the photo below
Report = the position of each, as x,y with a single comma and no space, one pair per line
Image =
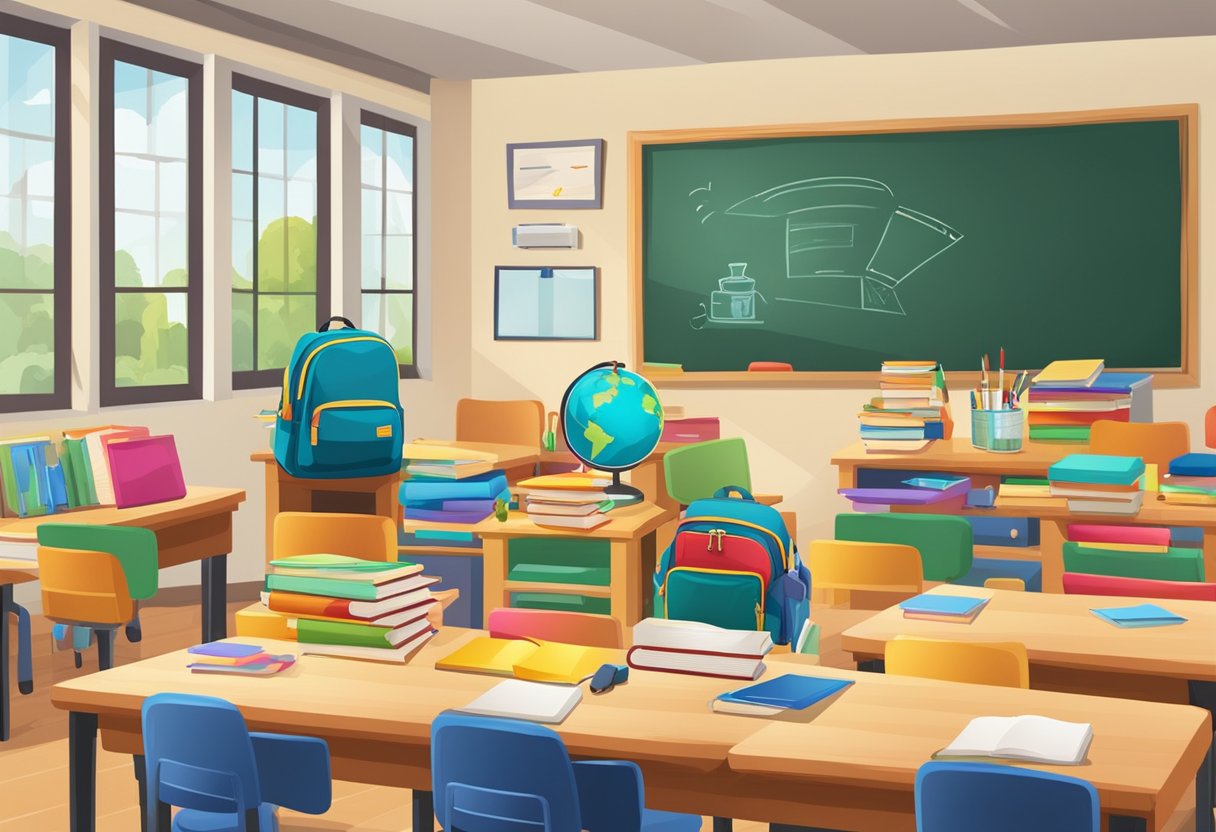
1036,739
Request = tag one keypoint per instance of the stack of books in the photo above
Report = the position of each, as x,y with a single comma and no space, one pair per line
453,500
911,410
345,606
237,659
437,460
958,609
1191,480
1097,484
1069,396
698,649
1016,488
567,501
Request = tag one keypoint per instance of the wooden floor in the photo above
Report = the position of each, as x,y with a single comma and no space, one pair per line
33,763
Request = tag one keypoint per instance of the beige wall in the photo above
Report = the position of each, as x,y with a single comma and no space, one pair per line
791,434
215,437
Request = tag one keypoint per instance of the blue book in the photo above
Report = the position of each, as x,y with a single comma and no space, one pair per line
1194,465
485,486
1141,615
790,691
936,483
1097,468
942,605
443,534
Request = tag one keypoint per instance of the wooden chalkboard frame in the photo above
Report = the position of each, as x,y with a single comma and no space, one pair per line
1186,115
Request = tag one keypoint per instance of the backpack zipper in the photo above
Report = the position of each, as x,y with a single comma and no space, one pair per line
759,528
316,411
286,411
759,605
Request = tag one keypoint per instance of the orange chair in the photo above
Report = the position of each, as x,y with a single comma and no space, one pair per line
978,663
1157,443
1209,428
510,422
556,625
366,536
82,588
1015,584
882,568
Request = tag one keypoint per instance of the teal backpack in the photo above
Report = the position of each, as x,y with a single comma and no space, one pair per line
733,564
340,412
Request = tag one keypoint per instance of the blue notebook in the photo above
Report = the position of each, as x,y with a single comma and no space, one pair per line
1194,465
936,483
789,691
942,604
1097,468
1141,615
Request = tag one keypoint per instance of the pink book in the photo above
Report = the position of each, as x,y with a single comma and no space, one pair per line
1087,533
145,470
691,430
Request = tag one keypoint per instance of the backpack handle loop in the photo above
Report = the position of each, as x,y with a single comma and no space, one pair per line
325,326
740,491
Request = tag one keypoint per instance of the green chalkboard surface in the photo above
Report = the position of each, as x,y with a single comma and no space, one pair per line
835,252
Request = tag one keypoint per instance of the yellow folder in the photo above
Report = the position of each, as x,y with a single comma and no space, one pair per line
536,661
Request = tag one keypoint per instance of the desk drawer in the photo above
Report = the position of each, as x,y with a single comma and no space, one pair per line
1004,531
555,601
549,560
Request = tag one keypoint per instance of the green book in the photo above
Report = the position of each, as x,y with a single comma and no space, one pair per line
1026,480
1175,564
88,487
346,589
69,475
351,634
341,563
1074,433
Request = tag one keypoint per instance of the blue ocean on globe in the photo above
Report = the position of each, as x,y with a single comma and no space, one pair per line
612,418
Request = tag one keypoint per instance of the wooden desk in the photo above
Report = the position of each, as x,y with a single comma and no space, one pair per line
632,553
1069,647
956,456
848,763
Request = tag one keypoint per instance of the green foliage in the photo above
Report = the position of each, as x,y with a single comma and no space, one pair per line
149,349
287,256
27,321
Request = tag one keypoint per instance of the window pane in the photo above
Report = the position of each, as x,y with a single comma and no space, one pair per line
172,184
150,343
392,315
134,249
27,338
27,76
134,183
282,319
242,131
270,137
242,254
173,247
301,252
272,255
398,212
400,168
371,258
372,141
242,196
301,144
131,111
242,331
168,135
399,262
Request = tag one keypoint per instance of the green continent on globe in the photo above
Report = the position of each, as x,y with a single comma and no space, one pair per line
612,418
598,438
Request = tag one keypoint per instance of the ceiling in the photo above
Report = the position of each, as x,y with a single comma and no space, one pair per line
457,39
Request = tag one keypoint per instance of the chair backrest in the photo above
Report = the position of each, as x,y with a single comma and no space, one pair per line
199,754
696,471
133,546
944,541
367,536
509,422
1155,442
874,567
1013,584
1079,583
978,663
963,797
556,625
499,775
1176,564
82,587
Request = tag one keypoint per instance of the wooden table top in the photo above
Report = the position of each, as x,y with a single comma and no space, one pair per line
1153,511
1060,630
957,455
508,456
18,570
627,523
200,500
883,728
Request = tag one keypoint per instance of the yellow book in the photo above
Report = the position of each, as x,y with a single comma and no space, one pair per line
1126,547
1081,372
441,450
259,622
573,481
496,656
1151,478
530,659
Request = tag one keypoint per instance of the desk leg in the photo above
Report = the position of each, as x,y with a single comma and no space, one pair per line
6,607
724,825
1203,695
423,811
1051,550
82,770
494,575
1209,552
625,567
215,597
1205,789
1124,823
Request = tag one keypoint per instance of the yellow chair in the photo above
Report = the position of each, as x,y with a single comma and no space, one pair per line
82,588
366,536
978,663
1015,584
887,568
509,422
1157,443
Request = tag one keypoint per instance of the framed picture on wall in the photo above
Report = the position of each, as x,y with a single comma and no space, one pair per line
567,174
546,303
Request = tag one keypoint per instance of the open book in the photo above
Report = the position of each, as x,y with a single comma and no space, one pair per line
1035,739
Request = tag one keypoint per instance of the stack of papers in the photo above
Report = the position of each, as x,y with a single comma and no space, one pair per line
953,608
1141,615
784,693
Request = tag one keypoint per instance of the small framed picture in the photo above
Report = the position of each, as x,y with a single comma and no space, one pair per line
567,174
546,303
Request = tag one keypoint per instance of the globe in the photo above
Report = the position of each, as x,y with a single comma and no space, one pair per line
612,420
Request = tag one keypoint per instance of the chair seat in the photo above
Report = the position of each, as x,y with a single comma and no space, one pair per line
192,820
656,821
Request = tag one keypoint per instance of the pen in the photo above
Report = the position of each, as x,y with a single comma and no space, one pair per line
1000,379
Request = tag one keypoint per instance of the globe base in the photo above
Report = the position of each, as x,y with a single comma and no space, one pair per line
623,493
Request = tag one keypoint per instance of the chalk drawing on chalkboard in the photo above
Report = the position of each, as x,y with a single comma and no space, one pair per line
848,242
733,303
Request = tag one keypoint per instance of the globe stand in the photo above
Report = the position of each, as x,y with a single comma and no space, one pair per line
623,493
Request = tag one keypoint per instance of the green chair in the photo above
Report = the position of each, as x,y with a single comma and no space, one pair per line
695,472
1176,564
81,592
944,541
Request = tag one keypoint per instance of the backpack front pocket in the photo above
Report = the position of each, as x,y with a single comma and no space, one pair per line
352,433
734,600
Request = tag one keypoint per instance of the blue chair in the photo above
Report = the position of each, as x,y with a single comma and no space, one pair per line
963,797
502,775
199,756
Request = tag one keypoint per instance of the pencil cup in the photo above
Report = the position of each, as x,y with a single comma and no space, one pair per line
998,431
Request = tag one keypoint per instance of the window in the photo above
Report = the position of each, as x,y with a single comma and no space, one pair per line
35,235
280,226
388,254
151,226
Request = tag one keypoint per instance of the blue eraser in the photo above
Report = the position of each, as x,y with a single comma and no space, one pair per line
981,497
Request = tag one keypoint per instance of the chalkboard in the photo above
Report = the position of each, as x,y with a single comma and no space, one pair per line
833,249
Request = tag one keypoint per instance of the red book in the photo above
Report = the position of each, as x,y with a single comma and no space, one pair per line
1092,533
691,430
696,662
